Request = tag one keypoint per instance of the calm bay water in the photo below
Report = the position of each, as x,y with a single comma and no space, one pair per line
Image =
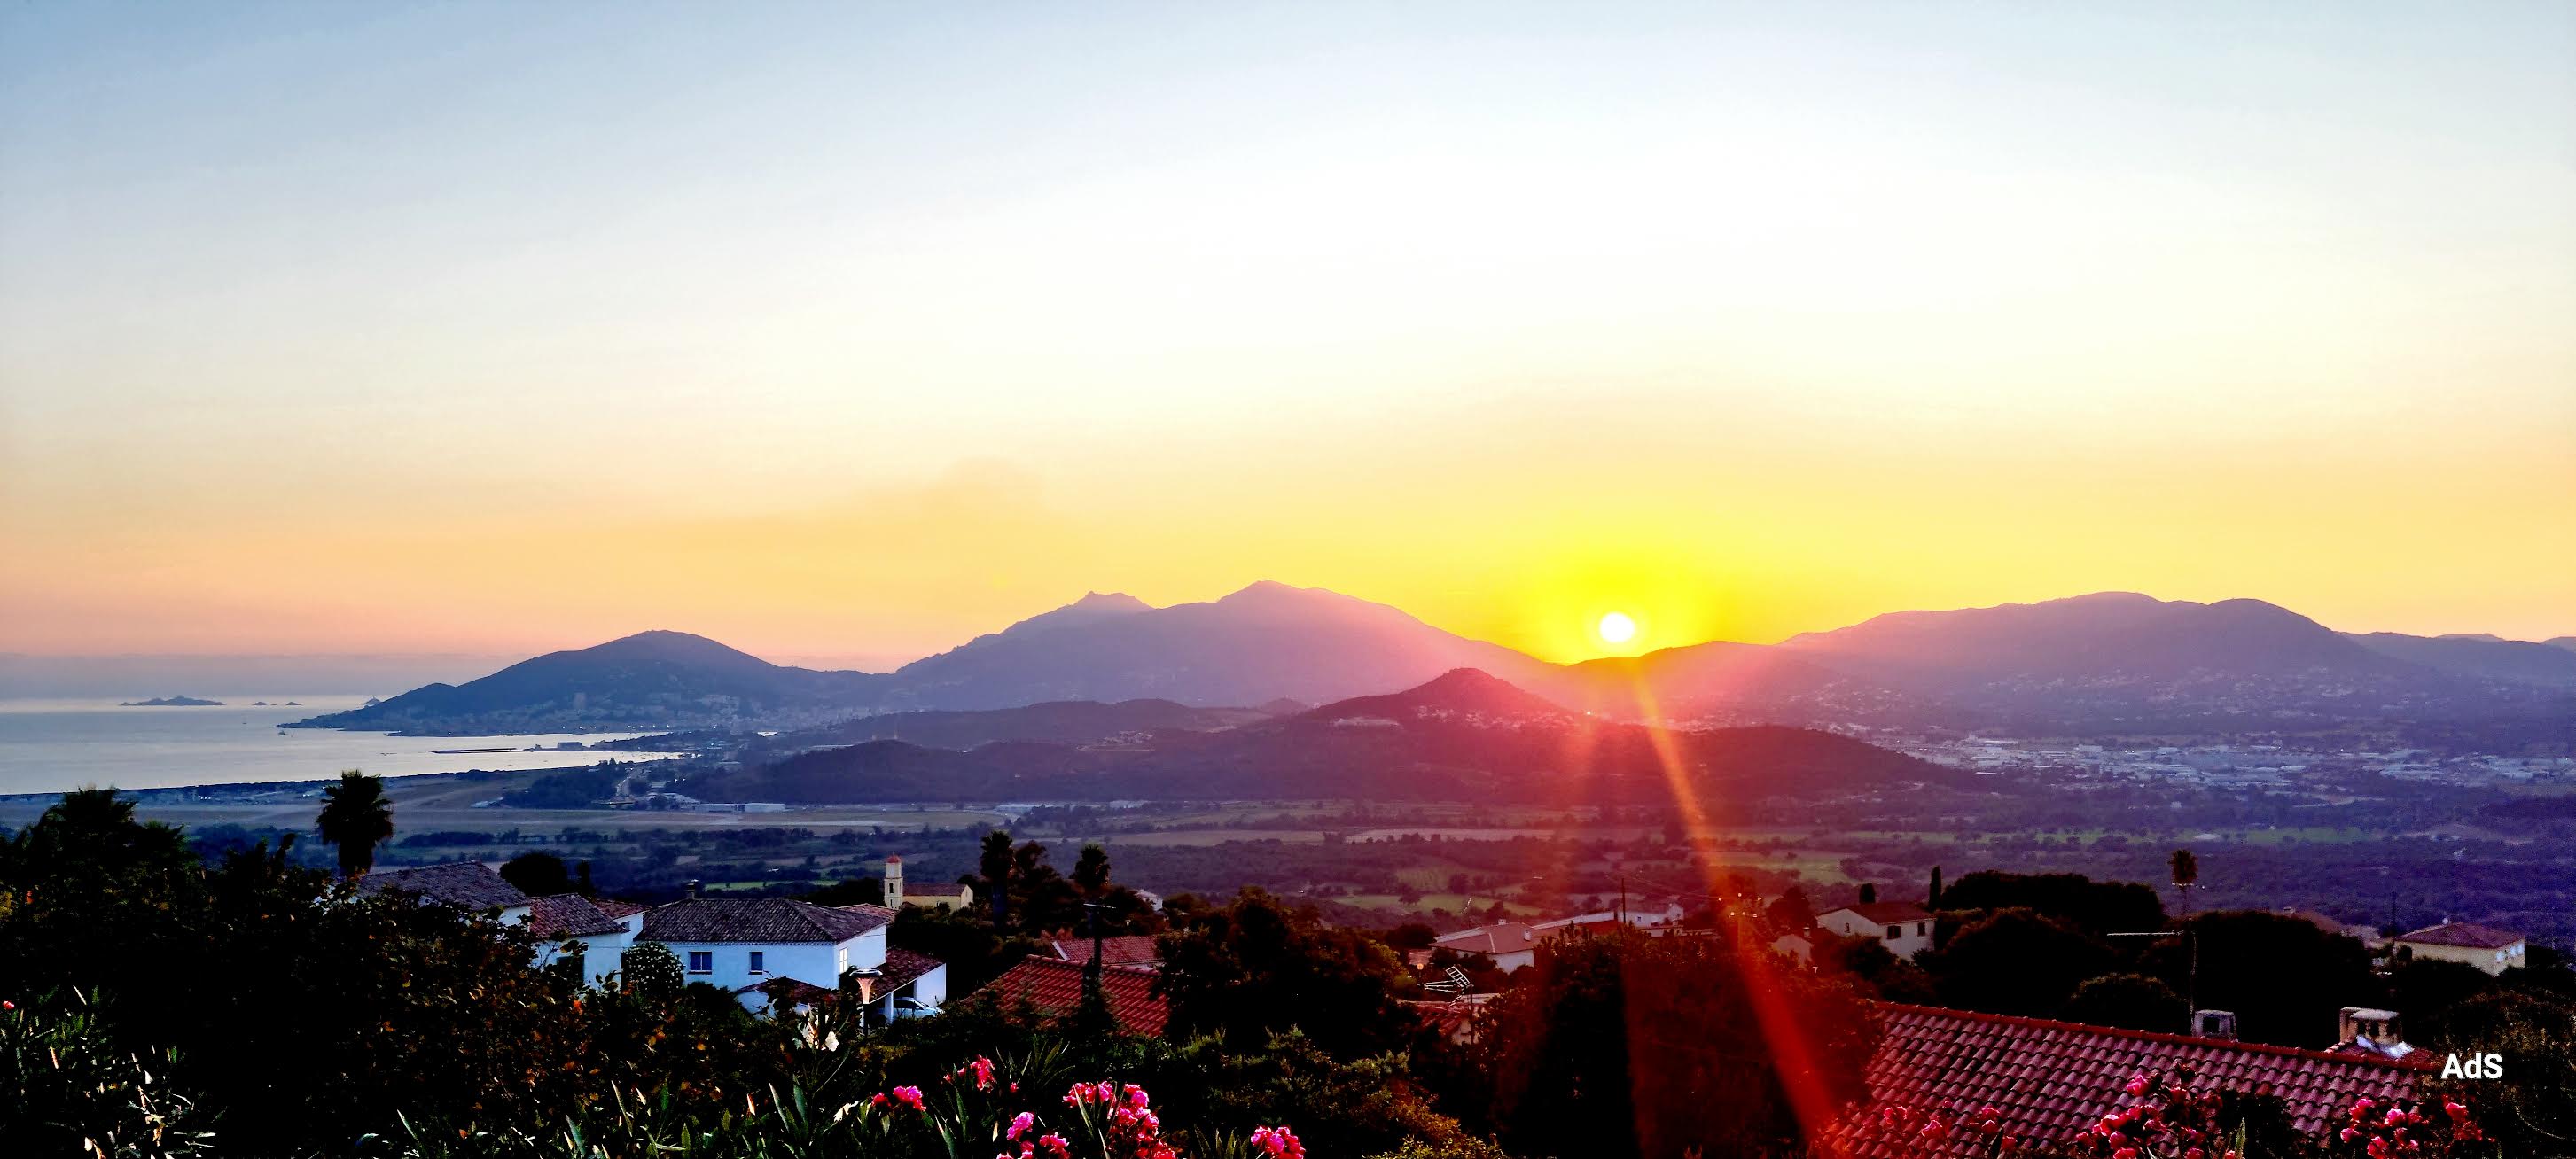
47,746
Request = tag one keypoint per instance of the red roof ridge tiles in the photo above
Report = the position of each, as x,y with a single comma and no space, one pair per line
2232,1044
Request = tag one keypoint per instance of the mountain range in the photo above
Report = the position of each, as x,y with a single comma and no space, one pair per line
1464,735
2107,662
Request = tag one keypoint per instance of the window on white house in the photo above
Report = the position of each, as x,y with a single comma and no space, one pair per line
756,963
1922,928
1895,932
702,962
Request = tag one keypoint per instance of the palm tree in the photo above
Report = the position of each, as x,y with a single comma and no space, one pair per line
355,816
2186,873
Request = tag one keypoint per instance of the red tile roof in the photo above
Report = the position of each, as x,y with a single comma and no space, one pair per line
467,885
1123,950
620,910
2050,1079
2469,935
569,915
1054,987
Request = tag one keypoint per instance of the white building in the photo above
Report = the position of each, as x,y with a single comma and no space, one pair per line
1902,926
565,925
1510,944
2467,943
597,932
774,952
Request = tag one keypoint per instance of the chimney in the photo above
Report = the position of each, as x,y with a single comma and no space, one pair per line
894,882
693,889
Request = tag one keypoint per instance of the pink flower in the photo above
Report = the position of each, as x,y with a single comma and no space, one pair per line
2137,1085
1054,1146
1278,1143
1020,1125
908,1096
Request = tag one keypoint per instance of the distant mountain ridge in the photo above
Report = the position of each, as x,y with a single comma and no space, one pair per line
1464,735
2106,662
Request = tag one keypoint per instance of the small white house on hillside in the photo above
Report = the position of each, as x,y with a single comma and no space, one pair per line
777,953
1902,926
566,925
2485,947
1511,945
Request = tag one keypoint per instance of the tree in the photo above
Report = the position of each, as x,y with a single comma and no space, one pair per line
1257,967
1932,896
1091,872
1790,912
355,818
653,971
1872,966
995,863
1631,1045
2016,961
2284,977
537,874
2134,1001
1868,893
2186,873
2427,990
2099,907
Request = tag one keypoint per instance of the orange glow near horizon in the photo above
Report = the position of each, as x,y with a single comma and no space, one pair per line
1741,326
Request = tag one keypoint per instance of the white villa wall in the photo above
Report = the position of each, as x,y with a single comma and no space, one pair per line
1913,937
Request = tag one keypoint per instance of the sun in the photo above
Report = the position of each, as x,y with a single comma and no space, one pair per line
1617,628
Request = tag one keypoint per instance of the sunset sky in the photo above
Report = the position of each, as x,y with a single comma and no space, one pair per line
848,332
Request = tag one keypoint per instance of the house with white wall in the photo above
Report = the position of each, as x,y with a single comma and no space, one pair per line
774,953
596,933
1902,926
2485,947
565,925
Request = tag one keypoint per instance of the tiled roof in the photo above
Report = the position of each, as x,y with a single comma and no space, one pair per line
2050,1079
1501,938
1123,950
618,909
1054,987
757,919
934,889
901,968
2468,935
464,884
1885,913
569,915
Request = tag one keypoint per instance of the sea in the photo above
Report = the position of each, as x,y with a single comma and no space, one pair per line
49,746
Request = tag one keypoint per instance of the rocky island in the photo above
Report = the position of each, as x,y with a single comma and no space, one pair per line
171,702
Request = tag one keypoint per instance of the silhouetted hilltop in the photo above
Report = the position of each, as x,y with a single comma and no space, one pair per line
653,679
1265,642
